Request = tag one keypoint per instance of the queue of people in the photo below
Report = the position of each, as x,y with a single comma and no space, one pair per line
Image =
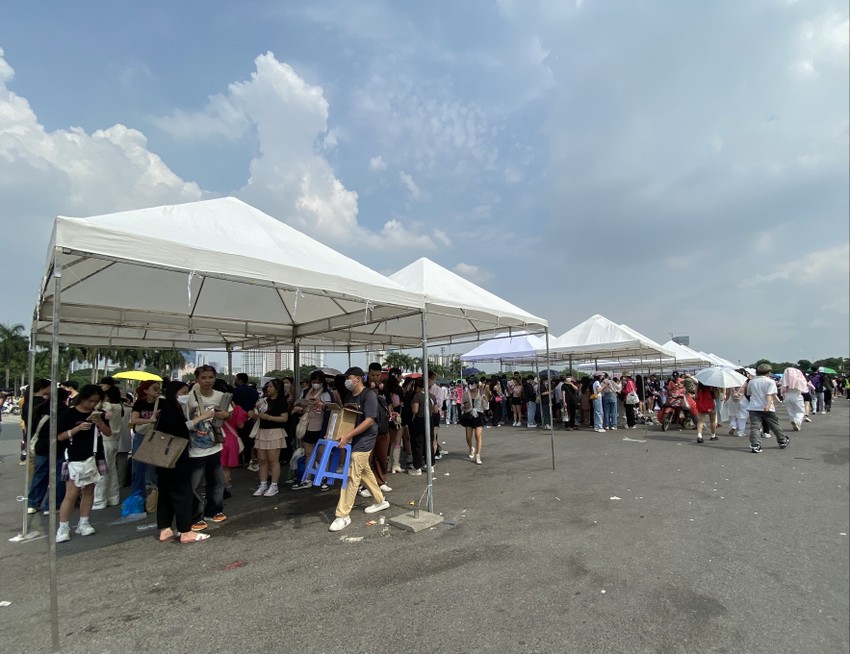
227,427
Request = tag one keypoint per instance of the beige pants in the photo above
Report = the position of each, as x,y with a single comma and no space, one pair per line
357,471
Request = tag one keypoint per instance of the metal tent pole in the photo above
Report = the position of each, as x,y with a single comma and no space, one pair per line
429,491
549,383
296,367
52,481
26,436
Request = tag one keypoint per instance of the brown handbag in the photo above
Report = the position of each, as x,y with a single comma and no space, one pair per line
160,449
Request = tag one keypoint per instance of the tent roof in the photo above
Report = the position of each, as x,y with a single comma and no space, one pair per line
719,361
205,275
598,337
506,347
685,356
457,308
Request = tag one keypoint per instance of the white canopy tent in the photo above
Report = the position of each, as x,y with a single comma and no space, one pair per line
598,338
456,310
719,361
507,347
203,275
685,356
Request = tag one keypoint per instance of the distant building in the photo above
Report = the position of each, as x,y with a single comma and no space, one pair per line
682,340
256,363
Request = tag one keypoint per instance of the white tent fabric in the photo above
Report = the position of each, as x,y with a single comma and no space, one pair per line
719,361
456,308
685,356
598,337
211,274
507,348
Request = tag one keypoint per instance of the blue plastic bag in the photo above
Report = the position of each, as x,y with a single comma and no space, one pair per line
134,503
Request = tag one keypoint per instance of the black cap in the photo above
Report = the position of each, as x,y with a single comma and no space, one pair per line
354,370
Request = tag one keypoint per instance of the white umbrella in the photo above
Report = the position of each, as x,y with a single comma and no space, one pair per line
720,377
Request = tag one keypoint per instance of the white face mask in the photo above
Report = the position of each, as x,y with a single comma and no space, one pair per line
286,388
349,384
316,386
183,399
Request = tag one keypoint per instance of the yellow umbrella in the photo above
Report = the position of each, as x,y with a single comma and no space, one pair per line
137,375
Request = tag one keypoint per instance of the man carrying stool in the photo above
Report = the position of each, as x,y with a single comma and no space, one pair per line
362,439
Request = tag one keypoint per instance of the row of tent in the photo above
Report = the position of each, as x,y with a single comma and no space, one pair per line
607,344
221,274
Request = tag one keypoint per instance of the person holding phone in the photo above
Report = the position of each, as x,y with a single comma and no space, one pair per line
78,433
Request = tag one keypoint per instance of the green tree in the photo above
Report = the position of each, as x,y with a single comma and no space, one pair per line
13,349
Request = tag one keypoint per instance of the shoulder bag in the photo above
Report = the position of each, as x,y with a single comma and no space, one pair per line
160,449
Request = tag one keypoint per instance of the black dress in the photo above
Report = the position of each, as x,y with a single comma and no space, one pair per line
174,484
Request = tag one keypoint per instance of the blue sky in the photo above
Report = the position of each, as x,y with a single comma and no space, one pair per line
677,166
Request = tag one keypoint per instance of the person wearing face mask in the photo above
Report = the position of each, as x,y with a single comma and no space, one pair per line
380,453
313,401
362,439
473,419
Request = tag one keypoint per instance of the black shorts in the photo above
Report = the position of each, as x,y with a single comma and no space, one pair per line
467,420
312,437
435,420
516,401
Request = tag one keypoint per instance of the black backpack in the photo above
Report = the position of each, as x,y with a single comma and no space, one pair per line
383,415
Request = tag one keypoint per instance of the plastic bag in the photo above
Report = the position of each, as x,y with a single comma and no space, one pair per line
134,503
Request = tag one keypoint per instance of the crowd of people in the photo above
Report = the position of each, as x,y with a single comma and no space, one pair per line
279,426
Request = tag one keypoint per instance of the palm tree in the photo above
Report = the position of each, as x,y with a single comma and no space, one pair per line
416,364
13,348
395,360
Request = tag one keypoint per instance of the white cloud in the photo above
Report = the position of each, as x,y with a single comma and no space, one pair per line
472,273
811,269
377,164
289,177
396,235
71,171
410,185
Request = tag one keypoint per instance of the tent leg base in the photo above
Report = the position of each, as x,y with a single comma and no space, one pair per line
408,522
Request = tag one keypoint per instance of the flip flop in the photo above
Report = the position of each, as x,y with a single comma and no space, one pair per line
197,539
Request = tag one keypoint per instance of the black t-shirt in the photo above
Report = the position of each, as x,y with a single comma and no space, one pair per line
25,410
144,409
42,444
277,407
82,445
530,393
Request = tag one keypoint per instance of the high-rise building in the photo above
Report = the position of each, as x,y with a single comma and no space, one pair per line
256,363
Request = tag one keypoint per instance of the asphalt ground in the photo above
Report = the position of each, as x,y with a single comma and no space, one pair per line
637,542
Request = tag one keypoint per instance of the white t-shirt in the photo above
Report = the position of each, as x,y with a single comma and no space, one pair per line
758,389
200,439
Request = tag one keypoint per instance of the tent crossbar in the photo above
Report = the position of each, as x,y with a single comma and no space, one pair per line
87,277
248,281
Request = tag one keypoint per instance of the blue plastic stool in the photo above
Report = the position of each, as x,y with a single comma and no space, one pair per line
325,469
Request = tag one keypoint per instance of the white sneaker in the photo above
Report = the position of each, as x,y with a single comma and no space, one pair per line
272,491
807,419
415,472
84,530
478,460
261,490
31,510
385,488
396,469
547,426
339,524
365,492
254,466
613,429
63,534
471,452
374,508
796,425
98,507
